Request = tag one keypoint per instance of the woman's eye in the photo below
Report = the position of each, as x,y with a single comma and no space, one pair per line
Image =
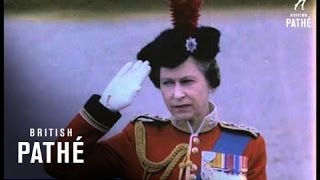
187,81
167,82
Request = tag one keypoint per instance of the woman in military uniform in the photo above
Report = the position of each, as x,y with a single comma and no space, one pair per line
193,143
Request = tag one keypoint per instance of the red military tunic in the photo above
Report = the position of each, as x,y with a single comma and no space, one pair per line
124,156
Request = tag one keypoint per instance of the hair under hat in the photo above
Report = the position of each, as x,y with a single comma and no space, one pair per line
173,46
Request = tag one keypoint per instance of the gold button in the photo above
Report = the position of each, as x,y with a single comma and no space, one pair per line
192,177
196,140
194,167
194,150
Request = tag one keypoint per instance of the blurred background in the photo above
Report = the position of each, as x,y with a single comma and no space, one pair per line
57,53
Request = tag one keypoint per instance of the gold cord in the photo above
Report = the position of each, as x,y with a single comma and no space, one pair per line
151,167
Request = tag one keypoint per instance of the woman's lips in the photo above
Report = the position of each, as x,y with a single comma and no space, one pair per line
181,107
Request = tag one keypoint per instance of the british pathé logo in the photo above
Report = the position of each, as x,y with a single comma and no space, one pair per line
299,18
301,3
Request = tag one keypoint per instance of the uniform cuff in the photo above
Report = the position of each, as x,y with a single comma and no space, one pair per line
98,115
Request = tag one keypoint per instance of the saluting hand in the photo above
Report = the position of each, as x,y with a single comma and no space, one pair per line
125,85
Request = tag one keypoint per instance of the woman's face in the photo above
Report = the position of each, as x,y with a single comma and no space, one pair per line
185,91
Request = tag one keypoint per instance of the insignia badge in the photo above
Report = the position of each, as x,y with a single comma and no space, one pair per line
215,165
191,44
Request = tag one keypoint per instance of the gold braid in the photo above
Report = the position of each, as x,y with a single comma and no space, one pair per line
150,167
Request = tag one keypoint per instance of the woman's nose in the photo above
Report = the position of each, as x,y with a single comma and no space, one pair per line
178,92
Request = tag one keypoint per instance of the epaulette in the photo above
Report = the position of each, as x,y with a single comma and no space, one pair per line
148,118
240,127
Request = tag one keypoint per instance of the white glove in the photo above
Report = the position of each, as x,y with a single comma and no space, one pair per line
125,85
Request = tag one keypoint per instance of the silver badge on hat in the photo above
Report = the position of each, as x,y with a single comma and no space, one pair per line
191,44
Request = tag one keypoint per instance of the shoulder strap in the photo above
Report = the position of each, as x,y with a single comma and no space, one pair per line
148,118
240,128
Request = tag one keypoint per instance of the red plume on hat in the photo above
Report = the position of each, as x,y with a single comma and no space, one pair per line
185,14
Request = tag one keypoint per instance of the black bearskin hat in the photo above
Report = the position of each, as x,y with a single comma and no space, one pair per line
173,46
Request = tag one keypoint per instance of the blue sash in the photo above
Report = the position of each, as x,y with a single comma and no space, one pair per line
231,143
